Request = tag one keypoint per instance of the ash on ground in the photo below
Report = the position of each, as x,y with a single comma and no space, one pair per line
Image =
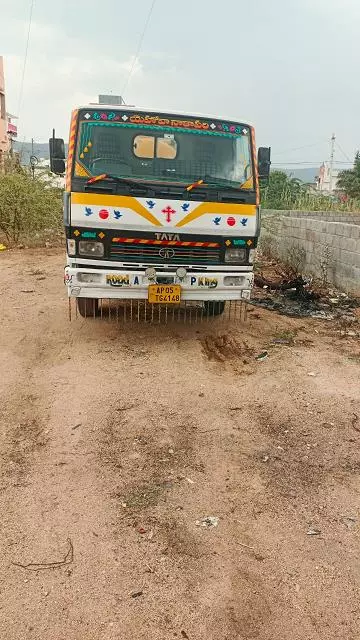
279,289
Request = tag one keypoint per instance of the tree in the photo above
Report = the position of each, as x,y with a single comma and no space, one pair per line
349,179
282,192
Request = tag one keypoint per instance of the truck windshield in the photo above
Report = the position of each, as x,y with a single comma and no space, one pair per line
165,153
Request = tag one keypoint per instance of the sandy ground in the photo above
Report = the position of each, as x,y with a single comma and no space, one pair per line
116,440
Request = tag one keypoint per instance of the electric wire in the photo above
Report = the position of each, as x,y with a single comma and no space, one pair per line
343,152
22,81
132,68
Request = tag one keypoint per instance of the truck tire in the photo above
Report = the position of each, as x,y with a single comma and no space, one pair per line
88,307
214,307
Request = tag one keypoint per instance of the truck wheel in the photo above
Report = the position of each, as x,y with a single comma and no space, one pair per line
214,307
88,307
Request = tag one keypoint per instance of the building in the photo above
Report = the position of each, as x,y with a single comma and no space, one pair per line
8,130
11,127
327,179
4,138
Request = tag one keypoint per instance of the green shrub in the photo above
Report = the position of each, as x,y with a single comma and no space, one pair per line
287,193
28,205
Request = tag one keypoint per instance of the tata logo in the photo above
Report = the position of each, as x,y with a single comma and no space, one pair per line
167,253
167,236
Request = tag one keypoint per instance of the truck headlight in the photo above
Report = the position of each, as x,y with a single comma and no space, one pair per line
233,281
89,277
235,255
87,248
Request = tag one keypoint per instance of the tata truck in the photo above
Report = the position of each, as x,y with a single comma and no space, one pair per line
159,206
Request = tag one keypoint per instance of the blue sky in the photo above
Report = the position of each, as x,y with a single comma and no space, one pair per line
290,67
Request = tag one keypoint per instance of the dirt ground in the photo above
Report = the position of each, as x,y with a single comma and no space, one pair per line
117,441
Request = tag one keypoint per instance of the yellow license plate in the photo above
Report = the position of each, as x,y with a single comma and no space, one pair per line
164,294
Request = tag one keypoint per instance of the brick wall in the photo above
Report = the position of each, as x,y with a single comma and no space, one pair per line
325,240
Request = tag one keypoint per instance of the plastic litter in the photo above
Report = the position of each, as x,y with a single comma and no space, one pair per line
262,356
209,522
313,532
2,247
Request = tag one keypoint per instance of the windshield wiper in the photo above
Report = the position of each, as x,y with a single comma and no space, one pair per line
212,181
119,179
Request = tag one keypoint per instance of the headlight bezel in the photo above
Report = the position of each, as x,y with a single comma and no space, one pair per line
86,249
235,255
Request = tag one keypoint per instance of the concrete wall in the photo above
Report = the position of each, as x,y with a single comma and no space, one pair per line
324,241
329,216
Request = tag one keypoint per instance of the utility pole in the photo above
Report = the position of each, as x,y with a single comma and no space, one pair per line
332,153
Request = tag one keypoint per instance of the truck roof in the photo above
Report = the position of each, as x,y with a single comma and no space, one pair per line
125,107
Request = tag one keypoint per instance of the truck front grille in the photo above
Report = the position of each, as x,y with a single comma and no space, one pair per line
166,252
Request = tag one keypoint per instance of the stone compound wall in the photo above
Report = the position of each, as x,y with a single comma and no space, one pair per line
323,242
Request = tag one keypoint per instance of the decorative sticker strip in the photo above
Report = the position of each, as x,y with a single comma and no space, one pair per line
257,186
88,234
117,280
170,243
161,121
71,149
209,283
86,149
216,208
90,200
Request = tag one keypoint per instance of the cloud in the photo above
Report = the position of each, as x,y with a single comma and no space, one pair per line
53,86
64,71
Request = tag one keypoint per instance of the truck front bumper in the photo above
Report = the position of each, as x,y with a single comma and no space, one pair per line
123,284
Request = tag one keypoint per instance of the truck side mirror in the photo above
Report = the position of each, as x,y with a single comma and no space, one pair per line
264,162
57,155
